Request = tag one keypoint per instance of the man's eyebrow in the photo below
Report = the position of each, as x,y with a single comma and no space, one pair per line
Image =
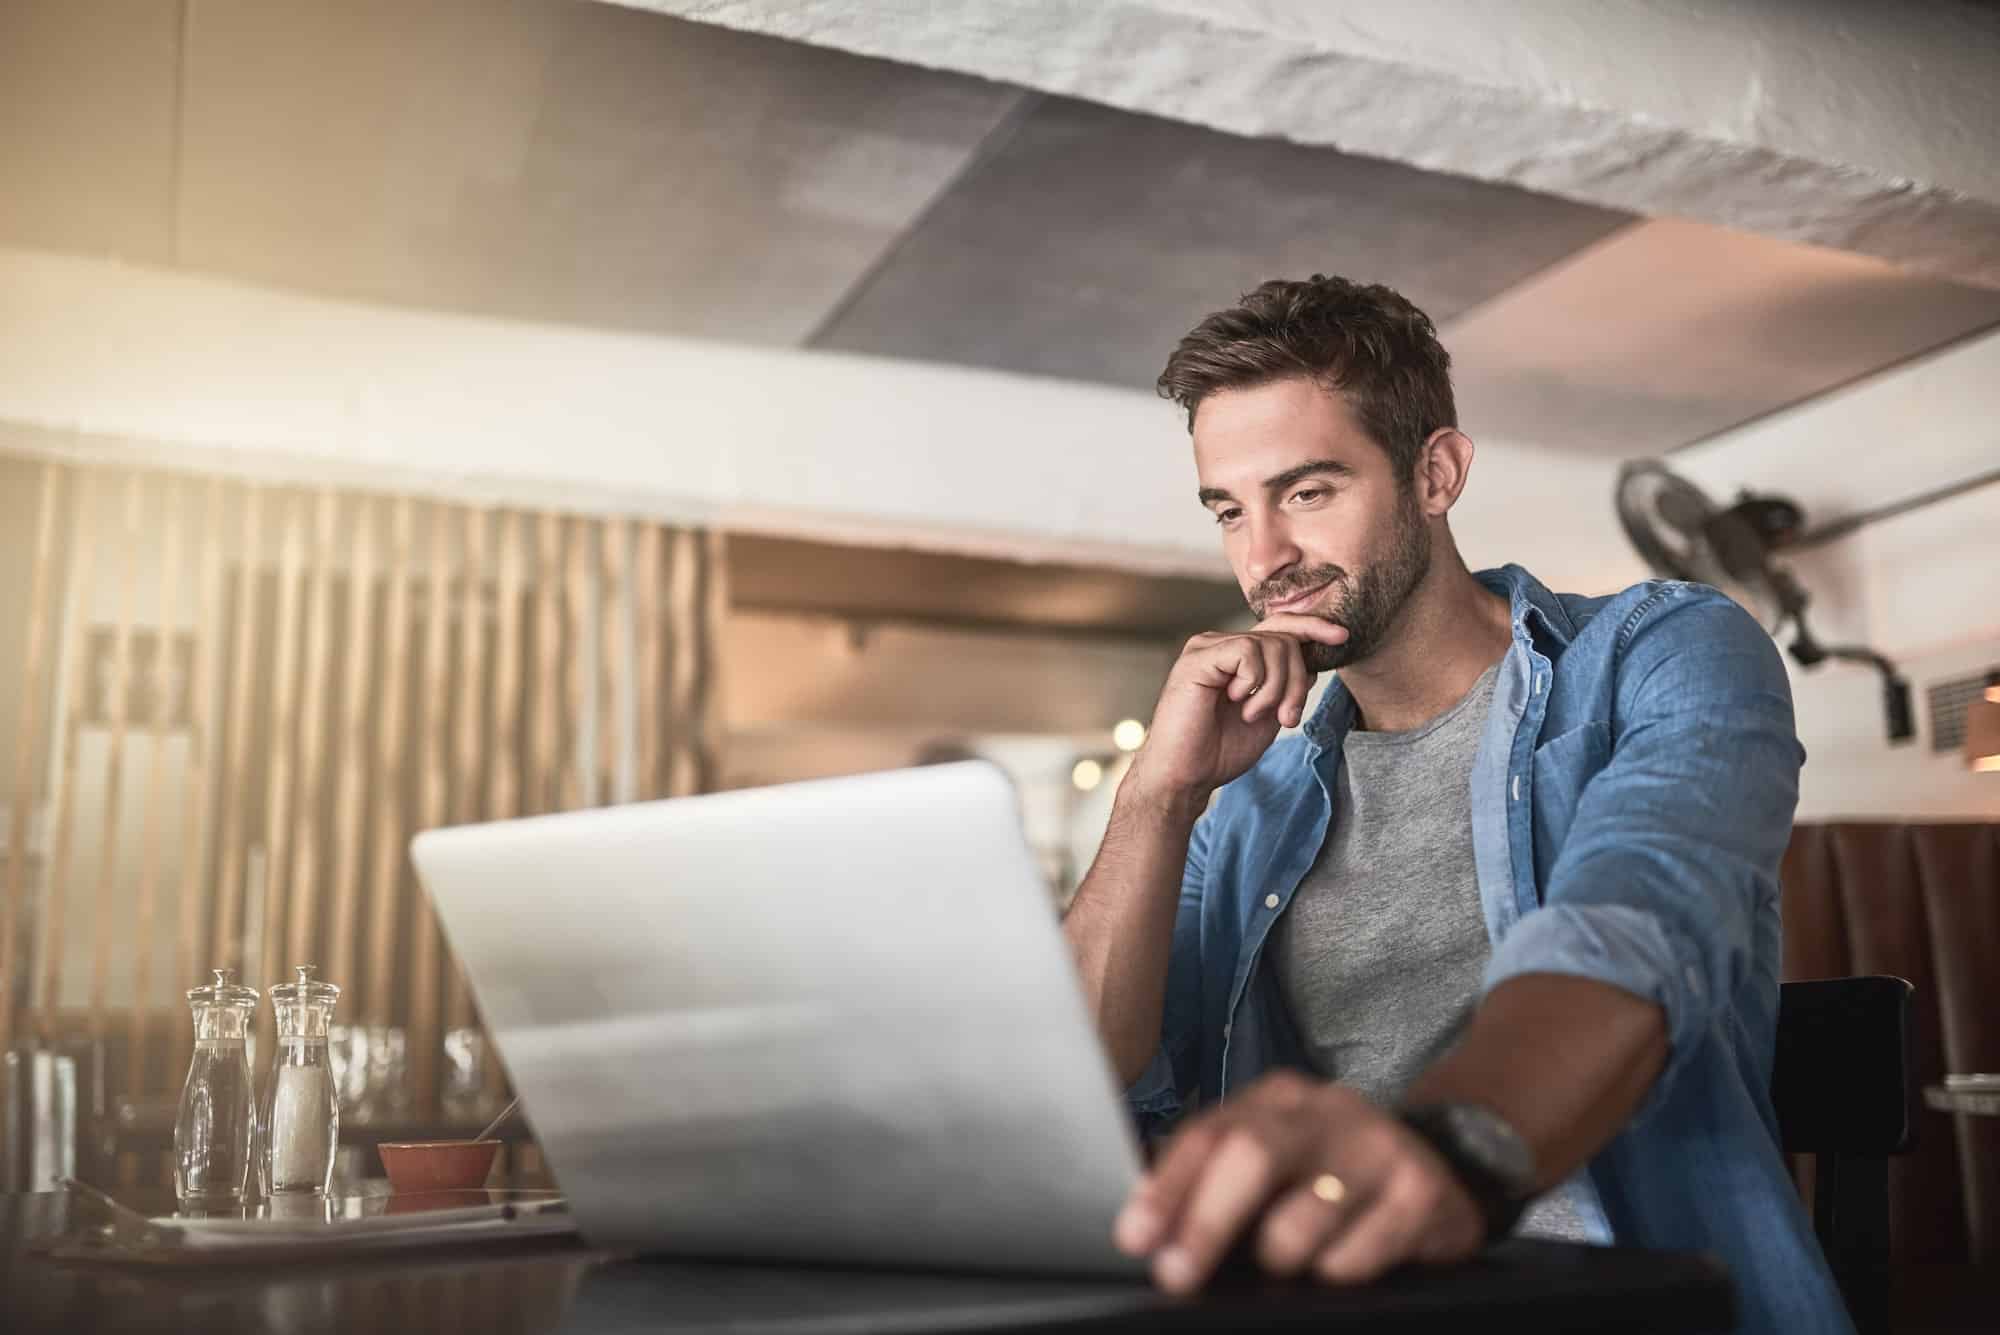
1297,473
1310,468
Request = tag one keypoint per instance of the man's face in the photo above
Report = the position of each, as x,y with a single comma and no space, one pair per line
1313,518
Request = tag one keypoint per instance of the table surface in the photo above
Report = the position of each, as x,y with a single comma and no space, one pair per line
537,1287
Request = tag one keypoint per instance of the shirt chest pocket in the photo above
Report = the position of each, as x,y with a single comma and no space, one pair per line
1563,766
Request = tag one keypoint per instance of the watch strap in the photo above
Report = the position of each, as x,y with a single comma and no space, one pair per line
1500,1202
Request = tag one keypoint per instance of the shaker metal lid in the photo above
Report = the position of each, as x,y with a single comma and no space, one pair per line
305,987
224,991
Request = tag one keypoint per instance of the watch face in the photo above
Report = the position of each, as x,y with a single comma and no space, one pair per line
1489,1140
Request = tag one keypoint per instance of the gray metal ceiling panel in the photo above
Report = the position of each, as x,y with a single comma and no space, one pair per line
1089,241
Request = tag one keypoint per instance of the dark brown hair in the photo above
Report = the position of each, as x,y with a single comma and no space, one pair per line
1366,342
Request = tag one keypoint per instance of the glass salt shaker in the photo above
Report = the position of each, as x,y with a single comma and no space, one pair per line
299,1117
212,1129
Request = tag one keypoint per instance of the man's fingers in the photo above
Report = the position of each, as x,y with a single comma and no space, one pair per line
1302,1222
1234,1184
1156,1202
1327,1180
1384,1232
1291,706
1296,690
1303,626
1245,664
1270,694
1260,666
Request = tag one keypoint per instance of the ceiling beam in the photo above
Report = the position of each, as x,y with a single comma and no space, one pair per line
162,367
1845,123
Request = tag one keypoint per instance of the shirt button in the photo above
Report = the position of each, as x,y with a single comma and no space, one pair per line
1226,1028
1270,901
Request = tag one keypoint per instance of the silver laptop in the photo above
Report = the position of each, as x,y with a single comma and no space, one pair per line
830,1021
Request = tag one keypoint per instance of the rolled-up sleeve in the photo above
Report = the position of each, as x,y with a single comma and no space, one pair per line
1167,1086
1672,852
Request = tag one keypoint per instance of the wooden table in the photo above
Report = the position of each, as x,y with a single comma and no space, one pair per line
527,1287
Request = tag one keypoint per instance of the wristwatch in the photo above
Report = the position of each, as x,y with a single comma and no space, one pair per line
1491,1161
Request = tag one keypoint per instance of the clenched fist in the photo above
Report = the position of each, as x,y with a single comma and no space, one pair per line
1225,700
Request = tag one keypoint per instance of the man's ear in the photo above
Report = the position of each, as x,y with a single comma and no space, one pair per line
1443,464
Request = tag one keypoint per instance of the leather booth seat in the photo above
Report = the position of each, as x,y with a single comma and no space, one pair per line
1922,902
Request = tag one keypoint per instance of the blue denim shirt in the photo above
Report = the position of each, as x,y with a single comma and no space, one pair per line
1631,798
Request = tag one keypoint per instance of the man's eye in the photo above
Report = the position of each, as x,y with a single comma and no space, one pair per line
1227,516
1308,494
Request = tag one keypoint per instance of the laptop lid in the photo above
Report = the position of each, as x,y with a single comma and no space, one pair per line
828,1021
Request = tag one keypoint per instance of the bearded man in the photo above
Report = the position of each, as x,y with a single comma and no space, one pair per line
1490,943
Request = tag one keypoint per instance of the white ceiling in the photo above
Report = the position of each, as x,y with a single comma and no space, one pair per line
588,164
1669,332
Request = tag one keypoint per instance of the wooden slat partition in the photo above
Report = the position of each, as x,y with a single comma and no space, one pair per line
650,651
683,676
76,663
227,950
503,798
278,803
577,581
503,768
356,758
707,716
392,763
424,1034
268,968
204,737
21,813
545,749
468,728
118,695
347,686
302,903
612,659
469,732
158,798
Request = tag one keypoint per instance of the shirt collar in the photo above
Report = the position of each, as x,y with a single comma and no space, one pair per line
1539,615
1539,620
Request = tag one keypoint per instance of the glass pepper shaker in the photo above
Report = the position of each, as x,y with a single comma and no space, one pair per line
212,1129
300,1111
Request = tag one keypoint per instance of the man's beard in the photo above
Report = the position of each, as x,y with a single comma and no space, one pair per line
1370,602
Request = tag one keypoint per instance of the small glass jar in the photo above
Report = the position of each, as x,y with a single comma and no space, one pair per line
299,1117
212,1129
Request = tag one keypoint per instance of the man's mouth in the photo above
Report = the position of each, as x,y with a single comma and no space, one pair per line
1297,601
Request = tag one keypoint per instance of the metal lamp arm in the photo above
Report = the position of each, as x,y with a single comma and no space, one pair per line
1808,651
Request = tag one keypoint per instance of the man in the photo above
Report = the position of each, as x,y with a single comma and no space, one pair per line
1494,938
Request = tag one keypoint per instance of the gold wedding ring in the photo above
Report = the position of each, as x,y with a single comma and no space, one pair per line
1329,1188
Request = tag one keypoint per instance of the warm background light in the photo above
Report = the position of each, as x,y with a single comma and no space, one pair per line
1982,733
1129,735
1087,775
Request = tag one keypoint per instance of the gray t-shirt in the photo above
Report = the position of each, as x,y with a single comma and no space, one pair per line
1381,951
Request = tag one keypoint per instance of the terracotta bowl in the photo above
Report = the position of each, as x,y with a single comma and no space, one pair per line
438,1165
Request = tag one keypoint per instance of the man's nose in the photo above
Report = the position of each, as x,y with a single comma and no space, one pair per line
1271,550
